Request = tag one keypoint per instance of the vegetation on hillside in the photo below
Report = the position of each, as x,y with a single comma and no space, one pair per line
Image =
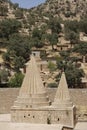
73,73
18,52
16,80
42,27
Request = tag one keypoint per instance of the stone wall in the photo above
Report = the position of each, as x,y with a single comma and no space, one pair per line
7,98
78,97
48,115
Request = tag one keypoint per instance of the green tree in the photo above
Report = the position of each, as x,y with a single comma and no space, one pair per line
72,31
19,46
18,62
54,25
37,43
71,25
65,55
19,14
31,20
8,27
83,25
73,74
16,80
6,57
73,37
81,48
15,6
18,51
53,38
37,36
3,10
72,71
51,66
4,74
37,33
61,64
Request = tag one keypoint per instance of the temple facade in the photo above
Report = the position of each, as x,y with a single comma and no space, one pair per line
33,105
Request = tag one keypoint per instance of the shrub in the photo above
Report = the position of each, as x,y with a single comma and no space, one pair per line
51,66
16,80
43,54
52,85
4,74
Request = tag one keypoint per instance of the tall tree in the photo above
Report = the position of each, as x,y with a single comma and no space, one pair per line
53,38
18,51
54,25
73,74
8,27
73,37
4,74
81,48
83,25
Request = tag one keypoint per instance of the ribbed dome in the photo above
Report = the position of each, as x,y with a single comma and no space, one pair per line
32,92
62,97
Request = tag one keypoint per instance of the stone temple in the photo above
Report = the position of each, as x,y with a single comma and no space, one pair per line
33,105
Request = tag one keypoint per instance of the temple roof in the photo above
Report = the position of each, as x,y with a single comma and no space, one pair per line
32,92
32,83
62,97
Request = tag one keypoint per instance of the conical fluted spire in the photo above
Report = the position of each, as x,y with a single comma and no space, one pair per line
32,92
62,97
32,83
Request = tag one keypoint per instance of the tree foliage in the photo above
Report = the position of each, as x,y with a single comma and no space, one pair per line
3,10
72,36
71,25
54,25
53,39
4,74
16,80
37,38
72,31
51,66
73,74
8,27
83,25
72,71
19,14
81,48
18,51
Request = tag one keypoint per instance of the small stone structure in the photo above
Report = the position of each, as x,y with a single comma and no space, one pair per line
36,54
62,47
33,105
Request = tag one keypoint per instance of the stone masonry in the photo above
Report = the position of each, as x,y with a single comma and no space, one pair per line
33,105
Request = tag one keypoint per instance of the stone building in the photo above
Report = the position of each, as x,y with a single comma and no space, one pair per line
62,47
33,105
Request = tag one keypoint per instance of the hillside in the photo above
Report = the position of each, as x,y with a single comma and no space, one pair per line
40,16
57,28
63,9
56,33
